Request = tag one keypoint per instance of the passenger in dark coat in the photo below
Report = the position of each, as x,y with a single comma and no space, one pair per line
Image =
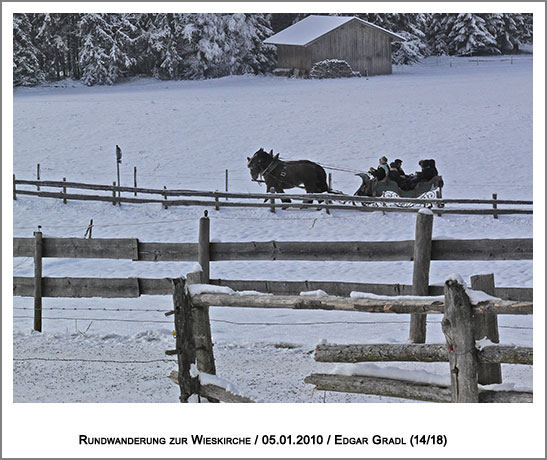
382,170
398,164
428,172
395,175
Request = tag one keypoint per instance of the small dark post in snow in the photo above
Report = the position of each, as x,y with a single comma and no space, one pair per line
226,182
203,246
114,193
89,230
135,178
420,275
38,176
118,161
64,191
165,196
457,326
14,188
495,205
272,200
486,325
38,249
327,202
217,207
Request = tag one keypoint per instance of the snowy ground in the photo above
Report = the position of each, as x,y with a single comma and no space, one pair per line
474,119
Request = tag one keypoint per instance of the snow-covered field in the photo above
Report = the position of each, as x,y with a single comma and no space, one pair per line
474,118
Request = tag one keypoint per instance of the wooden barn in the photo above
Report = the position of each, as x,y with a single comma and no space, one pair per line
364,46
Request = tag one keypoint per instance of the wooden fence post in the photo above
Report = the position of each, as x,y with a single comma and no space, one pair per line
495,205
165,196
420,275
203,246
486,325
135,178
38,176
38,249
203,342
457,326
327,202
186,354
64,191
114,193
226,182
272,200
14,188
217,205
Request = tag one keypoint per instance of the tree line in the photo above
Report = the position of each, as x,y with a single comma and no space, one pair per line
104,48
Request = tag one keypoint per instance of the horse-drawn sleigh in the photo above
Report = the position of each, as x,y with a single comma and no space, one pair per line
279,175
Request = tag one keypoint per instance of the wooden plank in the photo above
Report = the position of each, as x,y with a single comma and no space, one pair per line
457,326
335,288
358,353
483,249
96,248
23,247
380,386
486,396
80,287
215,392
168,252
332,250
513,293
155,286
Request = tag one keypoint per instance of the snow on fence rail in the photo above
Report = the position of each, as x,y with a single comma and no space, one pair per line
470,366
345,202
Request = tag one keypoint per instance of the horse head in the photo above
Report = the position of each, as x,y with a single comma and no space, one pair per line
259,162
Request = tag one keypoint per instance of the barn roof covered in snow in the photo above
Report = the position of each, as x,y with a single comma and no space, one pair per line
311,28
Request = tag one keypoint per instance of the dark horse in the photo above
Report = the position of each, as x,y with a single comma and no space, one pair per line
280,175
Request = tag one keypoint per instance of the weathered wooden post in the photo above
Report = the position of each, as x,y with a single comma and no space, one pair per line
420,275
272,201
114,193
495,205
217,205
135,178
165,196
203,246
457,326
64,191
203,342
38,250
486,325
38,176
14,188
186,354
226,182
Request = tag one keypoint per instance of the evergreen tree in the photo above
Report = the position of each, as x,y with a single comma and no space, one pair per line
26,56
469,36
94,54
437,34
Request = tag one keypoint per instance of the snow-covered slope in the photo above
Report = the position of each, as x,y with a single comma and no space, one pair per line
474,118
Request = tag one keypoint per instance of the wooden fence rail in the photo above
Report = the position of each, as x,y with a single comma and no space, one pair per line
459,326
135,287
329,200
133,249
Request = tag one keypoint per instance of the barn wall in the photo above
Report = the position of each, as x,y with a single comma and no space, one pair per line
364,48
290,56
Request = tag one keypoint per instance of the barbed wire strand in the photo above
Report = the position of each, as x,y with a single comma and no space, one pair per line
98,360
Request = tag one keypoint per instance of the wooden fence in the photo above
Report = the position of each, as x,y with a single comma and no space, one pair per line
469,366
270,201
460,325
420,251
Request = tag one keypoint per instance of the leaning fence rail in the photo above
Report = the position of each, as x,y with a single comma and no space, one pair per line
329,201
